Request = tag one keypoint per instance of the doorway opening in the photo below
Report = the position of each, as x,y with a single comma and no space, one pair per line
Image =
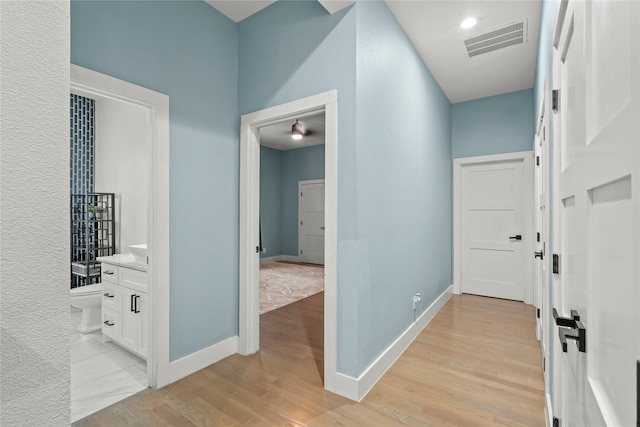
147,268
252,131
291,212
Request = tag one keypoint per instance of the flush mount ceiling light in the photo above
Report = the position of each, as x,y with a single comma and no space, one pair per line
297,131
468,23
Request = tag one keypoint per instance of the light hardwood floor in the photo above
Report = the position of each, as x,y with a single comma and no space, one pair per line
476,364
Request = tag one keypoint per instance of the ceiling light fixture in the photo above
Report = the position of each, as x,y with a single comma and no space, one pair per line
297,131
468,23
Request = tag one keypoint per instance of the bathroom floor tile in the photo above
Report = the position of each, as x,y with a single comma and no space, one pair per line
93,368
105,391
85,349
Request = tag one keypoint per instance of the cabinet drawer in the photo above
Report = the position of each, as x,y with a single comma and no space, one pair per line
110,323
133,279
110,273
110,296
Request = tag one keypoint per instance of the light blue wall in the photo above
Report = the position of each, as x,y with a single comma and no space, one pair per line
544,67
402,242
298,165
493,125
294,49
189,51
280,172
271,201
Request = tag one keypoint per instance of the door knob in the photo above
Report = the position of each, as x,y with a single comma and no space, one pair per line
321,228
538,255
516,237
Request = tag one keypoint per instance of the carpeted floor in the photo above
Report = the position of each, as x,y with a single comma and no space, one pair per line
282,283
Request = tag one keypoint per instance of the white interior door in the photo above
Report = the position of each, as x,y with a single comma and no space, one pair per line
311,221
541,257
599,215
493,229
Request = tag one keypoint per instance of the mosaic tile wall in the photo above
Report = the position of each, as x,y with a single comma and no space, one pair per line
82,144
82,175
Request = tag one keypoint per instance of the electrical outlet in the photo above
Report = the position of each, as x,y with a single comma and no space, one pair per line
417,299
264,250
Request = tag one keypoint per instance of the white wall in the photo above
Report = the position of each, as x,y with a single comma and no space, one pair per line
121,166
34,218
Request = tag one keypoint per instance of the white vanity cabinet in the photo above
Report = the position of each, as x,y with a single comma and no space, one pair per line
125,305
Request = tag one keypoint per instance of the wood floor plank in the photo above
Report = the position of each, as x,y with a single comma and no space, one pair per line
477,363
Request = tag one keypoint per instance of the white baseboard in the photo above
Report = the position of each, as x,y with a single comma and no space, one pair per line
548,410
192,363
357,388
290,258
270,259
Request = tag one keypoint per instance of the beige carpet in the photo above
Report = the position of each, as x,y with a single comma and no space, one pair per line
282,283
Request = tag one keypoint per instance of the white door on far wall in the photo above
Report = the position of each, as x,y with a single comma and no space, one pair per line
597,65
311,221
493,229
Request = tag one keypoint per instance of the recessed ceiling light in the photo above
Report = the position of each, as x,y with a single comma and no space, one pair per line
468,23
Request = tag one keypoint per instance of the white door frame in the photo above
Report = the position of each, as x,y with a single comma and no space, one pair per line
300,184
89,83
458,164
249,321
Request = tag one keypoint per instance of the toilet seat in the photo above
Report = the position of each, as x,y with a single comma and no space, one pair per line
87,290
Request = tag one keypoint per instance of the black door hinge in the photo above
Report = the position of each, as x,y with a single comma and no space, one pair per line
556,264
538,313
555,100
537,160
257,249
538,237
544,364
556,422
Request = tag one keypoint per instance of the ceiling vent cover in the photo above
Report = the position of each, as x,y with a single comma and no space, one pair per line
507,36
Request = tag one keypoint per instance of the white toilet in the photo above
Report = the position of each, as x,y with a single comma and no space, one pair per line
89,299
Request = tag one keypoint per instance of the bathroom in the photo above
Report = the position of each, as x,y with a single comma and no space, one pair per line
108,280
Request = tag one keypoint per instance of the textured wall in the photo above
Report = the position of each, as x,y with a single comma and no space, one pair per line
34,214
187,50
493,125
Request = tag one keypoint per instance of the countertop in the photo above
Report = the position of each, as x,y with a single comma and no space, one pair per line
123,260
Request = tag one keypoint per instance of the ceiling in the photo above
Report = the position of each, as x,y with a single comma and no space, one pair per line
278,135
433,26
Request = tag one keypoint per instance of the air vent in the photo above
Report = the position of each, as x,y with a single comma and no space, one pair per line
508,36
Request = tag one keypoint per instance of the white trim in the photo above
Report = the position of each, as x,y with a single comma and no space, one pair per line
303,257
526,157
91,83
357,388
548,410
249,320
201,359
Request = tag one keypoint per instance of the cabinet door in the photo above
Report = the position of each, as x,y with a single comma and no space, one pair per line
128,319
143,322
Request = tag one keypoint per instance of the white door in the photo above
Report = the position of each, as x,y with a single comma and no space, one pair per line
311,221
598,76
542,299
493,229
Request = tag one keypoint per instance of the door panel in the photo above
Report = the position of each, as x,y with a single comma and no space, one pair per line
600,225
493,211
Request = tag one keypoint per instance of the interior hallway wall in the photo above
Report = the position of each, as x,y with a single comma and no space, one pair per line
34,207
189,51
493,125
121,167
403,198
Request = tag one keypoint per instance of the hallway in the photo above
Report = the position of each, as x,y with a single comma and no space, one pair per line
477,363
